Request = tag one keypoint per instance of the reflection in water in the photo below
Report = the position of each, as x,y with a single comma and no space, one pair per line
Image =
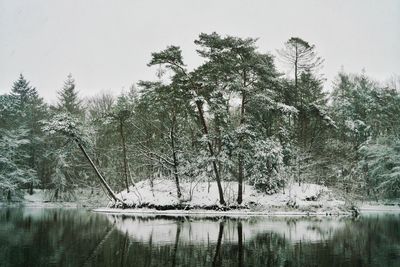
240,243
217,257
163,228
69,237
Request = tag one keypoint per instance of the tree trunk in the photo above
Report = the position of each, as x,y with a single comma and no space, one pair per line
101,178
123,144
31,188
175,166
240,157
240,180
295,71
33,167
211,151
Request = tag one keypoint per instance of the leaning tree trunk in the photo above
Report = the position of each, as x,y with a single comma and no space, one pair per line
110,192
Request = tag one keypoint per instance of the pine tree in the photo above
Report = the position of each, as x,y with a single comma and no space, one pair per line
68,99
14,172
380,165
234,67
300,56
31,110
23,92
172,59
306,94
121,112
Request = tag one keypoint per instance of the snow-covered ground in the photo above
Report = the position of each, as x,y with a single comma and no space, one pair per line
294,198
86,197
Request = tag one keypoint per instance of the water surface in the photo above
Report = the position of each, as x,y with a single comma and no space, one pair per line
72,237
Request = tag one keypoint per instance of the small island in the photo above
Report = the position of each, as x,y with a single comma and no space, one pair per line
202,198
231,135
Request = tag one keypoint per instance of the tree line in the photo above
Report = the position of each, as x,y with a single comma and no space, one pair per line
235,117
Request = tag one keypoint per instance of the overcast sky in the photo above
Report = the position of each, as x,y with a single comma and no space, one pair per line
107,44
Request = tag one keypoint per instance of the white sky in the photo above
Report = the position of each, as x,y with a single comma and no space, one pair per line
107,44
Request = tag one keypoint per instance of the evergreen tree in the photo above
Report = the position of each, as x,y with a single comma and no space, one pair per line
301,57
380,165
68,99
15,169
31,110
65,157
235,67
172,59
120,114
14,172
305,93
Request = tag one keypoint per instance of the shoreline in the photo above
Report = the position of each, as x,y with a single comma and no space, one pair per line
367,208
362,209
236,213
208,213
176,212
49,205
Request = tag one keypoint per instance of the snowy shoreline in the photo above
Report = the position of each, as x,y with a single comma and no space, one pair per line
158,198
211,213
202,197
363,209
235,213
202,200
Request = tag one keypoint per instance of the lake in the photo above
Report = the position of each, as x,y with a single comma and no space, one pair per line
72,237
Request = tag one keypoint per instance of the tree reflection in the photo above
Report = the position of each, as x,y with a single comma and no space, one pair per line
78,238
178,232
240,243
217,256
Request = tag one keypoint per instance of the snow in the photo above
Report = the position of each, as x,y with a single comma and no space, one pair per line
86,197
305,197
37,196
287,109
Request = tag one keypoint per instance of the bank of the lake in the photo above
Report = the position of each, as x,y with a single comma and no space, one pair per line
159,197
88,198
201,199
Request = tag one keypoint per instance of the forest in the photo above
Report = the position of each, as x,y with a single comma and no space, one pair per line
235,117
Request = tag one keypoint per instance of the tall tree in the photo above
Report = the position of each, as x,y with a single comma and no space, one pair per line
172,59
167,103
68,99
300,56
15,170
306,94
121,112
32,110
65,176
234,66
